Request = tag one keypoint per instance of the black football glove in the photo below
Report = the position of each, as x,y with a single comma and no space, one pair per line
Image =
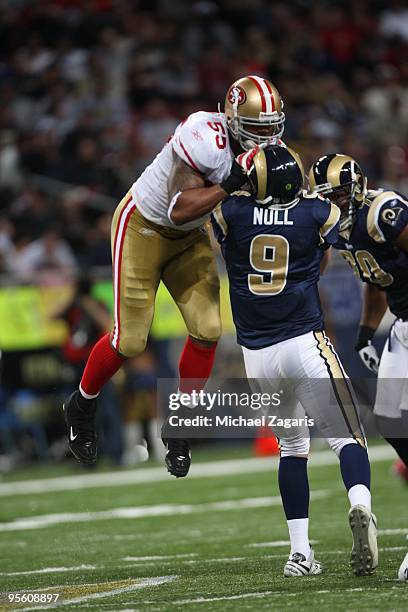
236,179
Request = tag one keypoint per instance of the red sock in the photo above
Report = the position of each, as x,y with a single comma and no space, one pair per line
196,363
102,364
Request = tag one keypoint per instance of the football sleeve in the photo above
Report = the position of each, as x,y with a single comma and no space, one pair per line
327,216
387,217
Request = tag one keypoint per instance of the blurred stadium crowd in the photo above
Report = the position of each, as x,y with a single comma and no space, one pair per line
91,89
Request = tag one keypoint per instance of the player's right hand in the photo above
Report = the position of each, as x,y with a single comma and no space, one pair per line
369,356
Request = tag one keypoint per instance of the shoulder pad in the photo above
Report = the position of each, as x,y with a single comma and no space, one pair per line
202,141
384,207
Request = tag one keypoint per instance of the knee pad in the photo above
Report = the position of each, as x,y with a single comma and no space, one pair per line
131,345
293,447
208,329
337,444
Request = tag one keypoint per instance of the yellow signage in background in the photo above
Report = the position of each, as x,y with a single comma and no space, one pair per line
27,315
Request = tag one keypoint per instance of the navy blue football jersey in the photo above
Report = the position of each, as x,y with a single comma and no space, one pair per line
369,247
273,263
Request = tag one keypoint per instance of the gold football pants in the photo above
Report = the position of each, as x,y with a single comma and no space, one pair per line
143,254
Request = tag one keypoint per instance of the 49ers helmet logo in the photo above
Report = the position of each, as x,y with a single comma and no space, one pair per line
236,95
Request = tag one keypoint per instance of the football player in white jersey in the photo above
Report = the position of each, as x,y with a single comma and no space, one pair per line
158,235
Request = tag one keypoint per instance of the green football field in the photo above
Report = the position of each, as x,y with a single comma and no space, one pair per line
140,540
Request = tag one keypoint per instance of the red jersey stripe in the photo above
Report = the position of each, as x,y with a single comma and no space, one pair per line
191,162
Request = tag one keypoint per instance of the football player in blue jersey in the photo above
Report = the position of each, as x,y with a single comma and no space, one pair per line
274,242
373,238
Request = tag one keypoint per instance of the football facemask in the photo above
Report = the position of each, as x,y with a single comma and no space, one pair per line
340,178
253,111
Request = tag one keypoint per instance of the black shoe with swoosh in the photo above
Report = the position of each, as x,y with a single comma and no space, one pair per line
80,420
178,456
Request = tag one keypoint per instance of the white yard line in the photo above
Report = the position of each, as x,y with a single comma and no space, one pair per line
159,557
399,531
167,560
255,594
278,543
202,561
157,474
47,520
275,544
52,570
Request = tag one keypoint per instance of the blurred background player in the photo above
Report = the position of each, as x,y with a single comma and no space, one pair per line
157,234
274,244
373,239
141,422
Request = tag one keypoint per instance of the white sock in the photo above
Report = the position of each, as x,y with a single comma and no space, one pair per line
154,428
299,536
359,494
86,395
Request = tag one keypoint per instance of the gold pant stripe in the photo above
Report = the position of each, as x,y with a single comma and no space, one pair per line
341,387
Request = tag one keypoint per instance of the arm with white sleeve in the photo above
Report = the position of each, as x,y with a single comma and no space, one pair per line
201,156
191,198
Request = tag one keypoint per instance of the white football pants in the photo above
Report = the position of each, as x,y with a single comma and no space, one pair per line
294,367
392,395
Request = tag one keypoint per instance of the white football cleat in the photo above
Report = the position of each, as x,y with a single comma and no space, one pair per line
364,554
403,570
298,565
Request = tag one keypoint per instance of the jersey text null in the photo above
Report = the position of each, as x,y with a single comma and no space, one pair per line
271,216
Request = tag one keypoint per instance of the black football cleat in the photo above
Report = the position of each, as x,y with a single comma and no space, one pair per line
178,456
81,428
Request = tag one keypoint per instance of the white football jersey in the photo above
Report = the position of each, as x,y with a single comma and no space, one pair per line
202,142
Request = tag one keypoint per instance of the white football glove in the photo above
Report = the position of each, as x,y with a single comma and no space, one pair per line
369,356
403,570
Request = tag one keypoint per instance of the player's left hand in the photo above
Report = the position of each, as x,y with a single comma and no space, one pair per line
369,356
365,348
245,159
237,178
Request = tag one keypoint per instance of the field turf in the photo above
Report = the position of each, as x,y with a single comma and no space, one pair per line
214,541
